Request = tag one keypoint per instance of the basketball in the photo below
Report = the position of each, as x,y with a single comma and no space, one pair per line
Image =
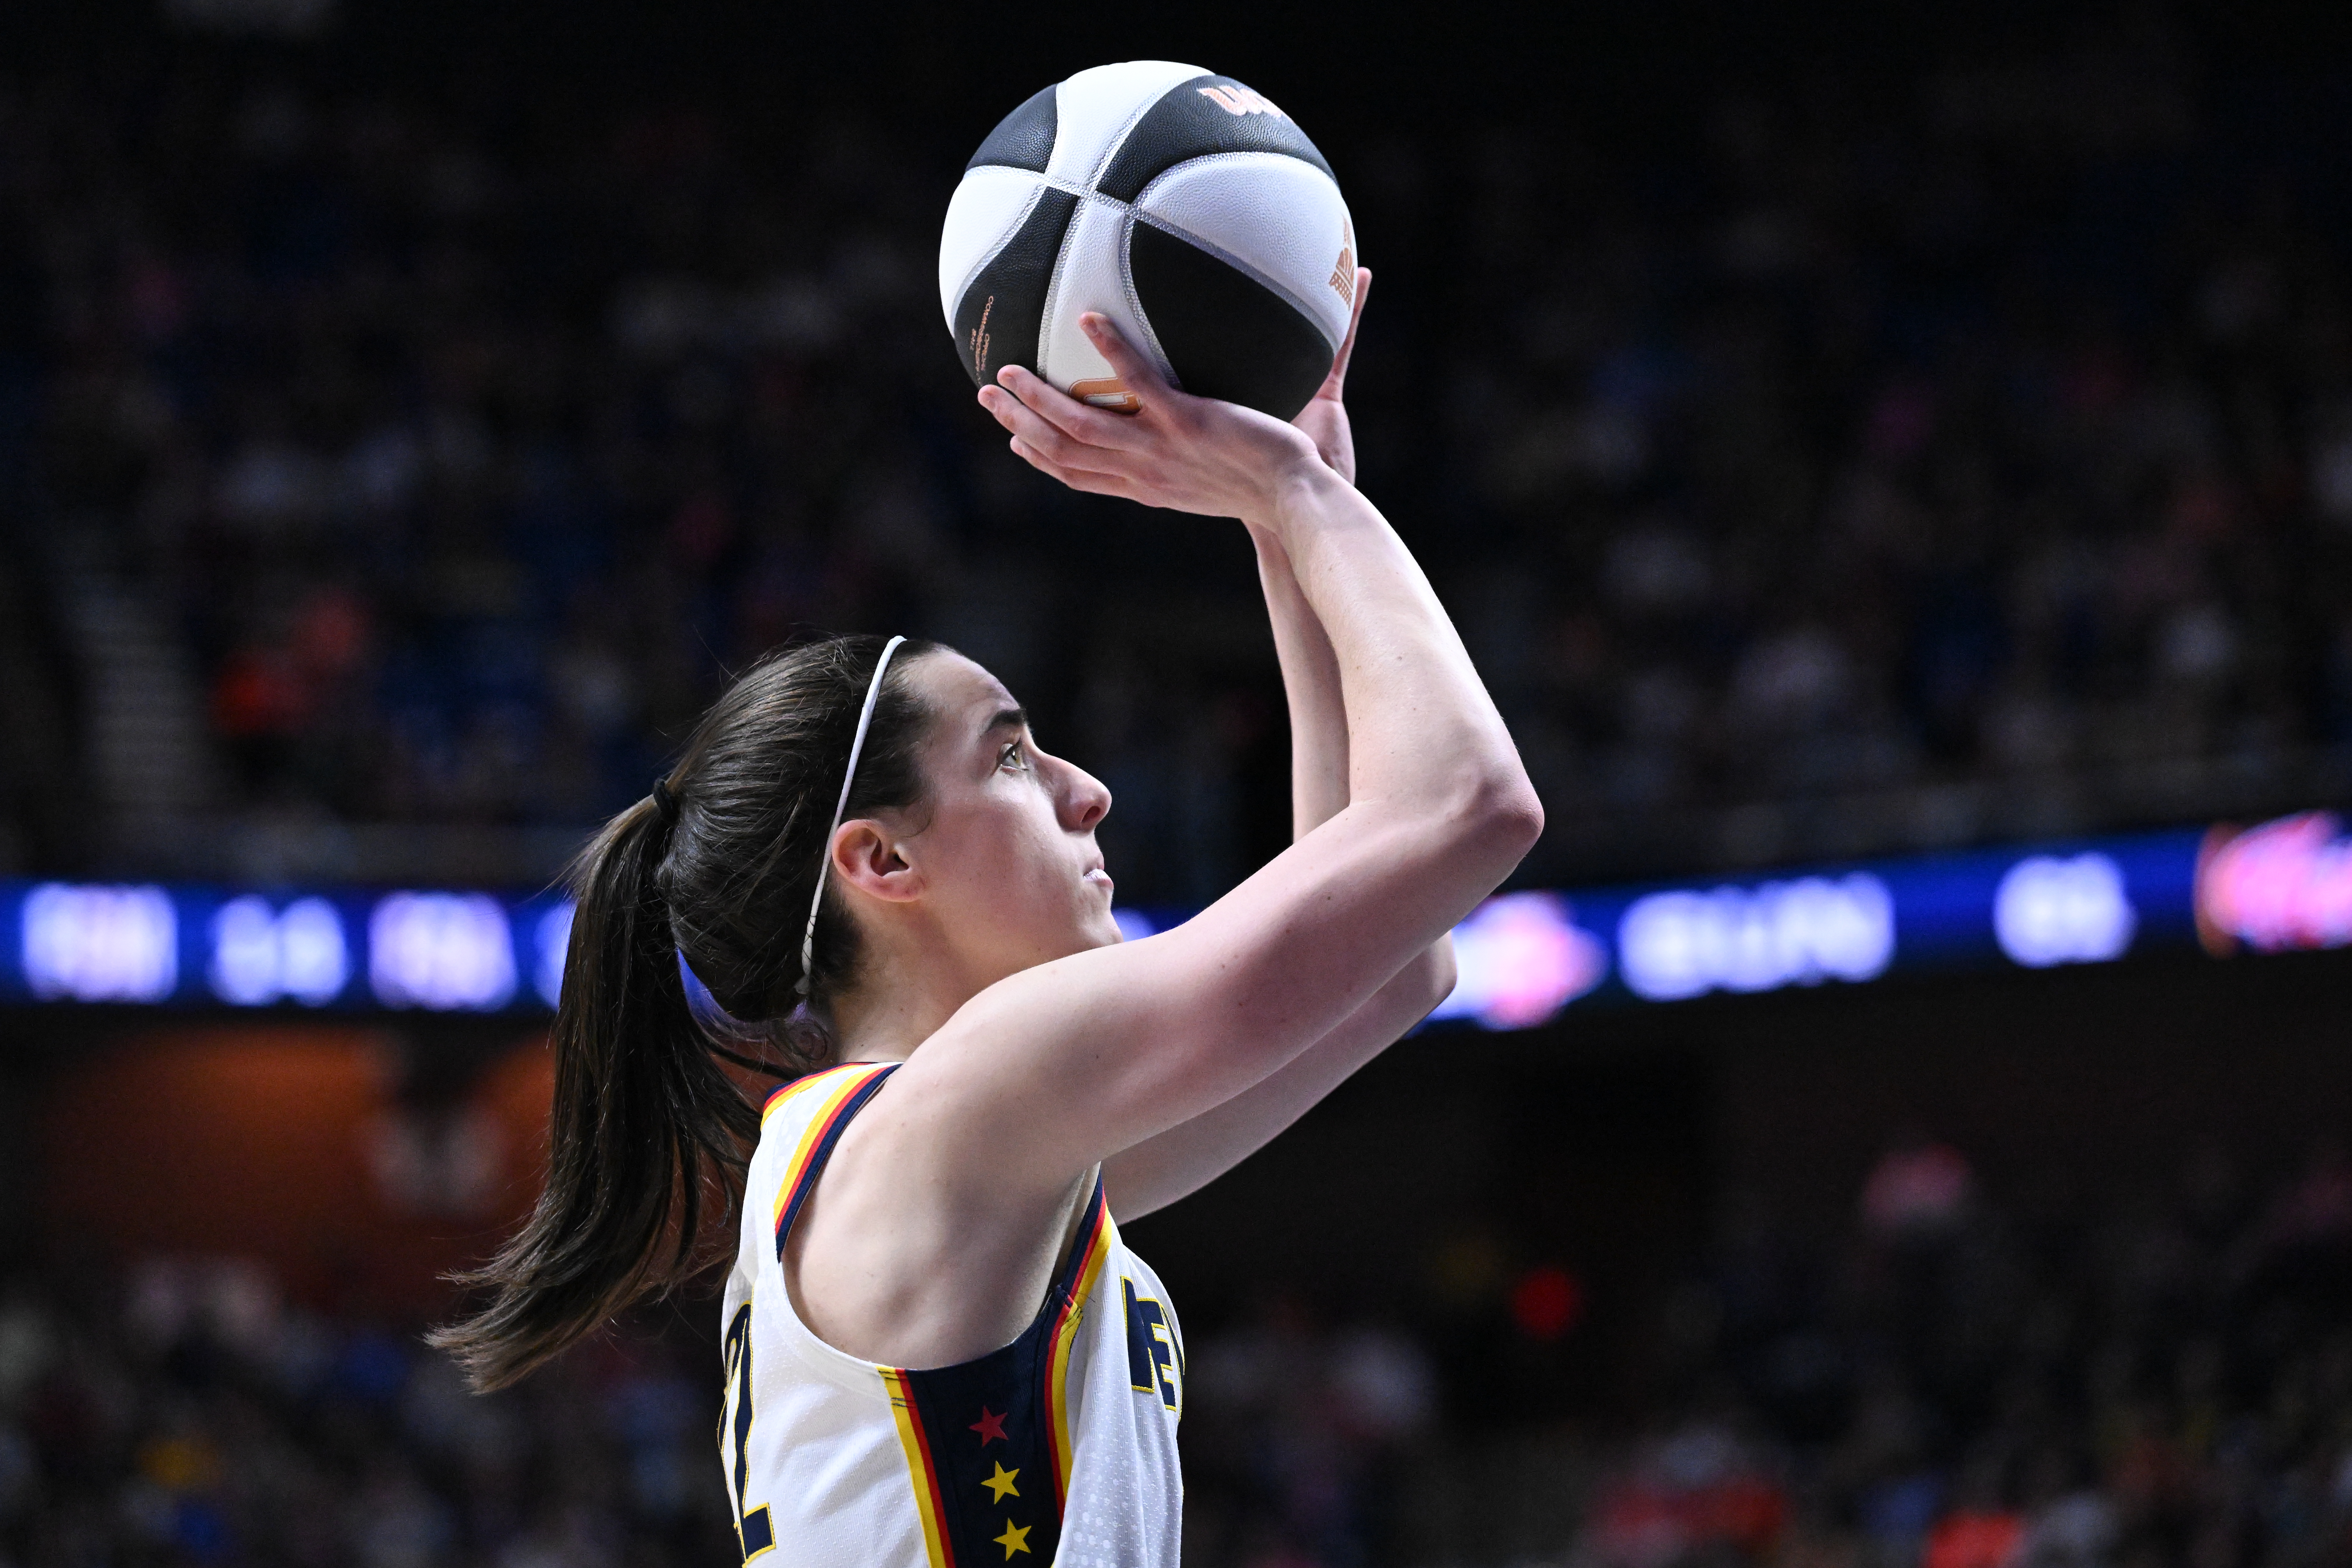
1186,207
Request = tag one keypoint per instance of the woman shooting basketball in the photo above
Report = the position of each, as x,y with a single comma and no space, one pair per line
938,1352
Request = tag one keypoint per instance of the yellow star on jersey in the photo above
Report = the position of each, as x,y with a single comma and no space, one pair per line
1014,1539
1000,1483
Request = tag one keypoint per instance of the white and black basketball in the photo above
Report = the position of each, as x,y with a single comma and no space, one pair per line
1180,204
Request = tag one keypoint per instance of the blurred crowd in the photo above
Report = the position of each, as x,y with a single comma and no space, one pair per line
1949,1385
2167,1382
1847,463
183,1413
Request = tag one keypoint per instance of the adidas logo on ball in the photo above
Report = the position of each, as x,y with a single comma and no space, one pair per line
1343,272
1187,207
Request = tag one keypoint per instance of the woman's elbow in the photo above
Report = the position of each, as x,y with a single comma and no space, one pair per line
1485,817
1504,816
1525,813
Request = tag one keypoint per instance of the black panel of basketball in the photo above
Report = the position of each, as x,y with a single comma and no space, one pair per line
1023,139
997,321
1226,335
1189,123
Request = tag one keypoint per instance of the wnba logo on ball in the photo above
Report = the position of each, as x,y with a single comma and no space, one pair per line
1235,98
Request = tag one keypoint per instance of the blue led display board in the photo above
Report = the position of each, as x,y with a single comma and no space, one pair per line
1523,956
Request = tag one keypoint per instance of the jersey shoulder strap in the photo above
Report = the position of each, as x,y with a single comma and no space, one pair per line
812,1112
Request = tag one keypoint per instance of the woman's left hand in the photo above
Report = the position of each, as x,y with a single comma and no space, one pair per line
1324,417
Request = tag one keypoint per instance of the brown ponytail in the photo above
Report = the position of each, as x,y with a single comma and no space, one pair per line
649,1132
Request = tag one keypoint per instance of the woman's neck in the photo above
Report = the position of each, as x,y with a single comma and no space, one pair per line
885,1020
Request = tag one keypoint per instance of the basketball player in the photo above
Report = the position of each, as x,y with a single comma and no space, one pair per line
938,1350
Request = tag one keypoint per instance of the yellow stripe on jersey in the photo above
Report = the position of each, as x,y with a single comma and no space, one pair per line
836,1085
800,1086
1085,1276
921,1468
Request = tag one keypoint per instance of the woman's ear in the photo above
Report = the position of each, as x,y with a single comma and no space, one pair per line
868,857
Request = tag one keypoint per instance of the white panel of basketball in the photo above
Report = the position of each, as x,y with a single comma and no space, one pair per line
984,212
1280,218
1095,109
1092,277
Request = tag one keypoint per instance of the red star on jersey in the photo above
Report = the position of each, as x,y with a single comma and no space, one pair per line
991,1427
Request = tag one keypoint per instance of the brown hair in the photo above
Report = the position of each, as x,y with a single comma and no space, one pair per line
649,1131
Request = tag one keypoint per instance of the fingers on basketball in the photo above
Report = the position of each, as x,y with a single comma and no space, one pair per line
1064,441
1066,413
1134,369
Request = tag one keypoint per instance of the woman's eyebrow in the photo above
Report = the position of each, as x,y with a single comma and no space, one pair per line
1006,719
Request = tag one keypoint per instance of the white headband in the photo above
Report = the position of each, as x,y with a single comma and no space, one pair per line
865,720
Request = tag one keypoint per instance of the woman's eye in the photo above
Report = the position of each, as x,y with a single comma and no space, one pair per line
1011,756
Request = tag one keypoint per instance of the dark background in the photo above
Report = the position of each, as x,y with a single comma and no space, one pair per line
1839,432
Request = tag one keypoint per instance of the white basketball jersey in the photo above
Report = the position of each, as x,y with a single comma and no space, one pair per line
1058,1448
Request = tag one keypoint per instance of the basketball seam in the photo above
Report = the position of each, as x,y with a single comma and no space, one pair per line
1271,285
1085,192
1316,163
1118,139
1143,318
1160,356
1052,294
994,251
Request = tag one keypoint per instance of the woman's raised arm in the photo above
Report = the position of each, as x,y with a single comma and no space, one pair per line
1187,1156
1059,1066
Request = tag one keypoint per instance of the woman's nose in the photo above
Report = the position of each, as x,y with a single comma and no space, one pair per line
1085,801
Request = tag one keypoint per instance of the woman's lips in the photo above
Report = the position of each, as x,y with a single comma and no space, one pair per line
1100,877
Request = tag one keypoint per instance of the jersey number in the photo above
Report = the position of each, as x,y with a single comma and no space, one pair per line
1155,1362
754,1533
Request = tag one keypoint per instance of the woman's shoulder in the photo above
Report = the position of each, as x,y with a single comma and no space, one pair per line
799,1125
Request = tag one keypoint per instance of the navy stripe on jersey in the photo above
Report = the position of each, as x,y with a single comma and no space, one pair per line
986,1424
1065,1279
1196,119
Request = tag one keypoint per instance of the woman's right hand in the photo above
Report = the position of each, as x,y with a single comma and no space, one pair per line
1186,453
